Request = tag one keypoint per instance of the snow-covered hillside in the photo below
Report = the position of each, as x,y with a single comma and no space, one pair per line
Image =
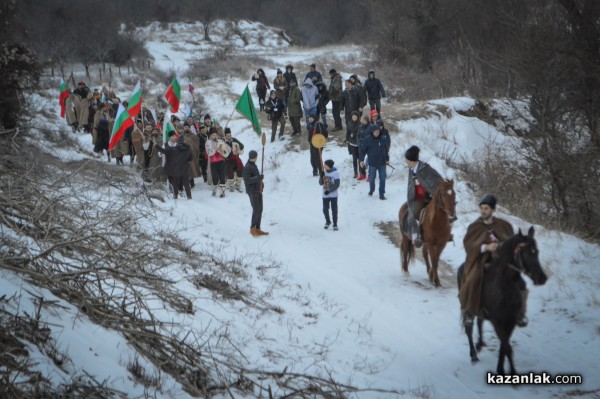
346,307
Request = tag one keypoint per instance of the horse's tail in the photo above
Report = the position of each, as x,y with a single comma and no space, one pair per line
459,274
411,251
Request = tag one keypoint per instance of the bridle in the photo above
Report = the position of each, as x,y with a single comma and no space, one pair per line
440,205
517,263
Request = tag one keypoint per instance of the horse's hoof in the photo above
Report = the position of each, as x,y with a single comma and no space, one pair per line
479,347
474,359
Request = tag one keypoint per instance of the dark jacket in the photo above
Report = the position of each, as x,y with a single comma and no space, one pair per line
262,83
363,132
288,77
376,148
316,127
352,131
323,98
362,93
252,178
177,158
374,88
274,107
335,87
310,75
428,178
83,92
349,101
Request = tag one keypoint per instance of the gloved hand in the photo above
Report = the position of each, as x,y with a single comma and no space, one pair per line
262,177
326,192
322,173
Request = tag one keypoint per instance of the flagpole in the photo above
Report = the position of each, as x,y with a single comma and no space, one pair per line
230,116
263,139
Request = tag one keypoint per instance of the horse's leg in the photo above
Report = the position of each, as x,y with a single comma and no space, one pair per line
480,342
434,254
504,334
469,331
405,252
426,257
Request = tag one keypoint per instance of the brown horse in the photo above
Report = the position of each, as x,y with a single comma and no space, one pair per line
435,228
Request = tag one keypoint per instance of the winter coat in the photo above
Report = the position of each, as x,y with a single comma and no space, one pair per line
362,94
309,95
294,106
363,132
252,178
121,148
280,84
288,77
84,92
177,158
274,107
352,128
376,148
137,141
335,88
310,75
374,88
102,135
71,116
193,141
332,177
323,98
262,83
349,101
316,127
478,233
428,178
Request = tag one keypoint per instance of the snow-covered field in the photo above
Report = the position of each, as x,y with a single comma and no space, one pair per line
348,308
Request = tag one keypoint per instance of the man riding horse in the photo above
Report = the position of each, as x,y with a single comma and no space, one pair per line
481,242
423,180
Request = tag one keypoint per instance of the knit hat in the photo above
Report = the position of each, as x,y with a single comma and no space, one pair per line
488,199
171,133
332,71
373,113
412,154
329,163
313,66
81,83
252,154
279,71
207,116
227,130
289,66
272,92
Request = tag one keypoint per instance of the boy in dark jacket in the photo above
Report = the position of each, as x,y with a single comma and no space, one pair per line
275,108
253,181
375,92
323,101
352,140
376,148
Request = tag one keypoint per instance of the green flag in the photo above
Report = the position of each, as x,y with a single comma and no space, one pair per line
245,106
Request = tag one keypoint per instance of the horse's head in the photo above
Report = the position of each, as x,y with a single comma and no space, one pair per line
447,198
526,257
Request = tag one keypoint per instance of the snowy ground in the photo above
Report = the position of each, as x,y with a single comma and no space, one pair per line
348,307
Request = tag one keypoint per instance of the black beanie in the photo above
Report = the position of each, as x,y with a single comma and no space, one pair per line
412,154
332,71
252,154
329,163
227,130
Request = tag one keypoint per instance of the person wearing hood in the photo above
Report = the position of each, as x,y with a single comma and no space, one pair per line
349,102
376,148
313,74
289,75
262,85
364,130
323,101
83,95
362,94
177,161
330,180
375,92
310,98
335,94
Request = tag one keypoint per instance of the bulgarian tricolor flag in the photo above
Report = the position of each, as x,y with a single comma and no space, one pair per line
64,94
134,106
122,123
173,95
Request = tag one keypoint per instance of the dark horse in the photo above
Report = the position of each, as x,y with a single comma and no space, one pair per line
435,227
501,297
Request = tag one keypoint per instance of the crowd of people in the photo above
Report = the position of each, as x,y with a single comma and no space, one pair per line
205,149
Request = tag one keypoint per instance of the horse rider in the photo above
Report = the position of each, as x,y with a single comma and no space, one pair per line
423,180
481,242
